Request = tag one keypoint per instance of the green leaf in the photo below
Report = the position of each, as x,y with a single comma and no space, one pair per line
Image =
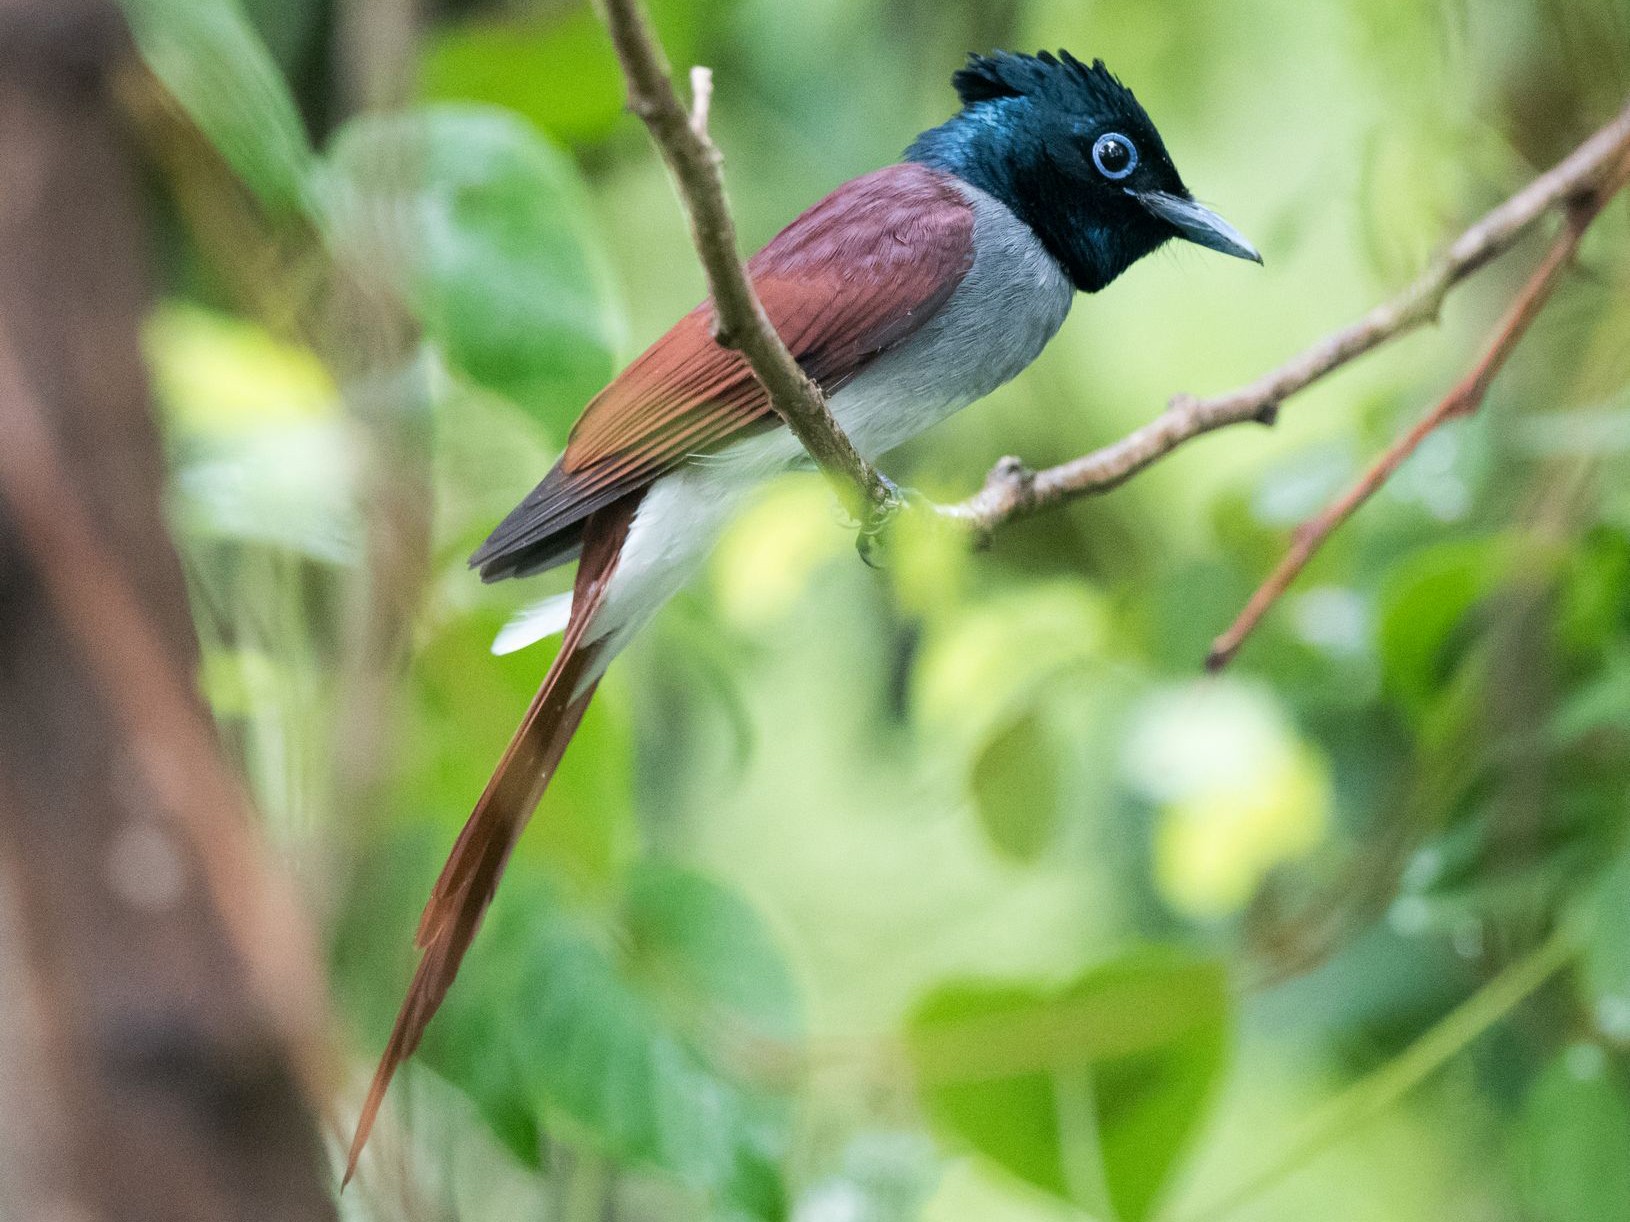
213,62
1088,1091
995,654
705,951
558,71
485,226
547,1024
1595,598
1015,785
1575,1156
285,488
1426,603
1599,703
262,456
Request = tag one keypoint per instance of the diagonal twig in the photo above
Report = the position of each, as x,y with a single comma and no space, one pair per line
1463,399
1011,491
739,318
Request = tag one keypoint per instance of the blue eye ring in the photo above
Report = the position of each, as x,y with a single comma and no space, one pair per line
1114,155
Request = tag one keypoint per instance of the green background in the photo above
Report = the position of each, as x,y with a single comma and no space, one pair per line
952,891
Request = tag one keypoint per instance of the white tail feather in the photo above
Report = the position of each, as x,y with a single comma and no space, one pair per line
532,624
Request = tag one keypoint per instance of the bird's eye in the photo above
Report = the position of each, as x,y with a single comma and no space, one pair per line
1114,155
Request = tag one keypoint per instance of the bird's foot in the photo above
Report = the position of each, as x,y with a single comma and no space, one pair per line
870,540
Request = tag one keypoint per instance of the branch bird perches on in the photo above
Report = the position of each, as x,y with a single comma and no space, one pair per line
1580,186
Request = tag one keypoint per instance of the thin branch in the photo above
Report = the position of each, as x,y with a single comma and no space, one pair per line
739,318
1462,400
1011,491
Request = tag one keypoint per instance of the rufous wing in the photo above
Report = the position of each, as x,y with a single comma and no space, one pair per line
850,278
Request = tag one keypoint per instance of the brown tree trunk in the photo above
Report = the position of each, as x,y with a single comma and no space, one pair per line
158,1012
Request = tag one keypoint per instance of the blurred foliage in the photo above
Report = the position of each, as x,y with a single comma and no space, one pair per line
488,238
951,892
1088,1092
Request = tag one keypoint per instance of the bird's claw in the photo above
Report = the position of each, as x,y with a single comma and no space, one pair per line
880,515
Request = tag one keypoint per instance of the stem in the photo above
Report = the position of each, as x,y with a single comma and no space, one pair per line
1465,398
1012,492
1369,1097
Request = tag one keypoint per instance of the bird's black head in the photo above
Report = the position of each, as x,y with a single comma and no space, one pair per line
1069,149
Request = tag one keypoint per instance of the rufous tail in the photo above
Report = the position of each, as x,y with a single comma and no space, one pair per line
469,879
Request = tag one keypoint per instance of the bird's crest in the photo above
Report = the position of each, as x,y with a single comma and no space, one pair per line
1059,80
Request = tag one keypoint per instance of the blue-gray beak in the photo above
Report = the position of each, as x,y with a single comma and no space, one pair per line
1198,224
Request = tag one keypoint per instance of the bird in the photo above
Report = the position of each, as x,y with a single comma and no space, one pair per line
905,294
